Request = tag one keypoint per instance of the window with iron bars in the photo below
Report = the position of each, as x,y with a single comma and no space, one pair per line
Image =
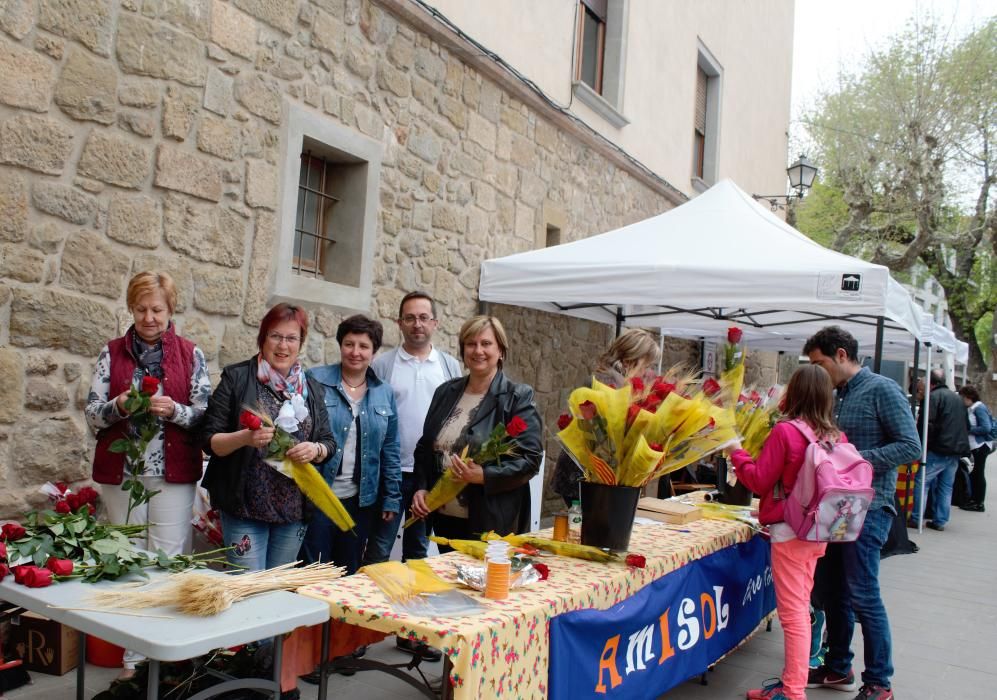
314,223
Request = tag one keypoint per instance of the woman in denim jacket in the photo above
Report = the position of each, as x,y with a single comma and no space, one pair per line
364,472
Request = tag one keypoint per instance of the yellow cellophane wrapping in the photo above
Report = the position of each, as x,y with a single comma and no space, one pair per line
681,425
316,490
563,549
446,488
400,582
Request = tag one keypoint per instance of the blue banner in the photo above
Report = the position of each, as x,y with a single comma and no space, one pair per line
668,632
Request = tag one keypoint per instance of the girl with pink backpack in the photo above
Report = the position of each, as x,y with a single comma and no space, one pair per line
808,398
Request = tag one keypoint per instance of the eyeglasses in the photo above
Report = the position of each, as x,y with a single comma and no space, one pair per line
277,339
410,320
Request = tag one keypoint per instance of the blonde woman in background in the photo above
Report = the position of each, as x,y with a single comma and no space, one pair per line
632,354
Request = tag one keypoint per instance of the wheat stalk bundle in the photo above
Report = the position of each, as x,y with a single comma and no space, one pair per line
201,594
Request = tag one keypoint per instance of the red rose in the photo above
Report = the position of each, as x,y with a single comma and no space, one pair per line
563,421
711,386
37,577
21,571
3,551
59,567
543,570
150,385
90,509
656,447
632,413
61,485
636,560
637,384
734,335
87,494
63,507
588,410
662,389
515,427
4,570
12,532
74,501
248,419
651,403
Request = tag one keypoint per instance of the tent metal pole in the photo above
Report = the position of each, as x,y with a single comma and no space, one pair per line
924,439
913,379
877,360
619,320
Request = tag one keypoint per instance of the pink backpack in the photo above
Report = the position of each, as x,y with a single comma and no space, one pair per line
832,492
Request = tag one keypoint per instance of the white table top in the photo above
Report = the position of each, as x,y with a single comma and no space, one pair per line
181,636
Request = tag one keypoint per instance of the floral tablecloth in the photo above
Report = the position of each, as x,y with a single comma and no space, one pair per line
504,653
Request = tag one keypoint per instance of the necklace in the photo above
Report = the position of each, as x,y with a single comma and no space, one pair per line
354,387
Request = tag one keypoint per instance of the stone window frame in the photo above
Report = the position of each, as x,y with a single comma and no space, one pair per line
708,64
608,104
303,130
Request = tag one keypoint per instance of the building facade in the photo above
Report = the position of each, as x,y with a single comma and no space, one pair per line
339,153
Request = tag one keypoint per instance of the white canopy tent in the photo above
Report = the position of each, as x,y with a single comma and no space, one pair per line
719,259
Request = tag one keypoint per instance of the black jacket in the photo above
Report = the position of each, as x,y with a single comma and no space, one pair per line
502,503
948,423
224,476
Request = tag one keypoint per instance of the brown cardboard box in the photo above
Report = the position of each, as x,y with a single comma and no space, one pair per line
668,511
44,645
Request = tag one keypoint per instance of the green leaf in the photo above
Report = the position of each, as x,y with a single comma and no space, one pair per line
120,445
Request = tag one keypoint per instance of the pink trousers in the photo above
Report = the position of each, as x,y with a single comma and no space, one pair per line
793,564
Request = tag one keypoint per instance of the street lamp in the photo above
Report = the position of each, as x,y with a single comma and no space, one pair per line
801,178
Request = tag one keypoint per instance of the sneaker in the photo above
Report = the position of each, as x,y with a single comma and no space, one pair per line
874,692
772,690
932,525
974,507
823,677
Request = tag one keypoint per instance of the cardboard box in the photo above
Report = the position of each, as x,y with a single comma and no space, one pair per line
44,645
668,511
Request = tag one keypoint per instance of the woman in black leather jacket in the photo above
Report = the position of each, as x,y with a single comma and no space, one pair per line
463,413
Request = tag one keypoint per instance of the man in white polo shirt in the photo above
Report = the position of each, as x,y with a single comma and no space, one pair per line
413,370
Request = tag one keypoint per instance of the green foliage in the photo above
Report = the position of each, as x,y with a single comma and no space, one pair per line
906,144
144,427
98,551
983,331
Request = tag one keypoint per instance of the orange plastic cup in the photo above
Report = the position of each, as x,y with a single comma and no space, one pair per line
497,581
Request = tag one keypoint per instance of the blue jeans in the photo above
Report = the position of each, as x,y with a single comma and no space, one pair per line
415,544
851,571
325,542
259,545
941,471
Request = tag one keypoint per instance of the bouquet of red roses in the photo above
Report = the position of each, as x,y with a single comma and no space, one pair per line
645,429
144,427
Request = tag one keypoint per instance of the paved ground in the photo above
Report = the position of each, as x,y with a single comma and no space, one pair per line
941,602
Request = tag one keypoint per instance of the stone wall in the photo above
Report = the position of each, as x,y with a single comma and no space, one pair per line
144,134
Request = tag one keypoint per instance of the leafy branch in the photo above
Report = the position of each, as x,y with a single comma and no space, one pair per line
144,427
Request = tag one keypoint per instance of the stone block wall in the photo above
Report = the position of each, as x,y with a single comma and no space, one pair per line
145,134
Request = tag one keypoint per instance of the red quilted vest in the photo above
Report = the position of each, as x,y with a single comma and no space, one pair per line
182,451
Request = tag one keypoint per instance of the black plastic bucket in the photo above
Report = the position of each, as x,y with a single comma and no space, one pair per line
608,515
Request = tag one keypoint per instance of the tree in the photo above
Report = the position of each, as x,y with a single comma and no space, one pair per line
907,149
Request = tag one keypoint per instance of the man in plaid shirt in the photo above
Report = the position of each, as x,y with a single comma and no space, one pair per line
875,416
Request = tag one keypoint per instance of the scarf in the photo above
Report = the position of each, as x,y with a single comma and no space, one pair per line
293,383
149,357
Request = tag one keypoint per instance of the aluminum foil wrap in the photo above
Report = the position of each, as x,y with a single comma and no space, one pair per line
473,576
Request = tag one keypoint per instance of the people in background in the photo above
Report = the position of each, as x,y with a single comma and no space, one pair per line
262,510
948,441
462,414
364,471
980,445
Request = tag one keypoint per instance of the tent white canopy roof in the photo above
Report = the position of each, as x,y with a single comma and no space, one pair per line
719,259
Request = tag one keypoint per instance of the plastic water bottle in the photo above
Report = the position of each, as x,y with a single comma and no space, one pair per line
575,522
